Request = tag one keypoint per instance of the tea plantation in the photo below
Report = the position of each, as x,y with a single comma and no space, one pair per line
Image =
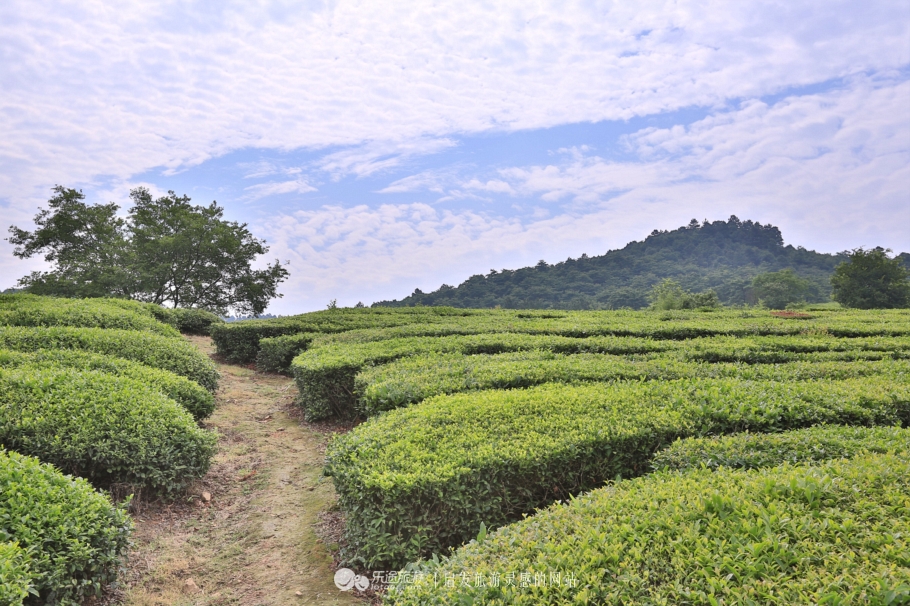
95,394
507,457
497,456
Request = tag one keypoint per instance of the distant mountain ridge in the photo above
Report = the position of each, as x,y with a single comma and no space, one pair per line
720,255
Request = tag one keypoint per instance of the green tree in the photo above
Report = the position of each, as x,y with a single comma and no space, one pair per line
777,289
868,279
86,243
668,294
167,252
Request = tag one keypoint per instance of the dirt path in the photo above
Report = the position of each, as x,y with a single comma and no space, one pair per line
253,541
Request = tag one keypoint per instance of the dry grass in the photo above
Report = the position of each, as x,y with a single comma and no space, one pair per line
253,542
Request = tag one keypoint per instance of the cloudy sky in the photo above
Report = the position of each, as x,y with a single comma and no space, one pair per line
384,146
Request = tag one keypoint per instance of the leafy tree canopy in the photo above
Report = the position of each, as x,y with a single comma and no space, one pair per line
167,251
668,294
868,279
777,289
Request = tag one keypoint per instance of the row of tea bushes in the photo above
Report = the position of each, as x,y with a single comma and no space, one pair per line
174,355
325,375
239,341
31,310
60,540
103,390
410,380
198,401
107,429
187,321
836,533
646,324
419,480
275,352
754,450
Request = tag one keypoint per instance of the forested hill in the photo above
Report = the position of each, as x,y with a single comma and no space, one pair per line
723,255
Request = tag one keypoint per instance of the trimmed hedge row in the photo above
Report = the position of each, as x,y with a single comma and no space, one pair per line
754,450
239,341
187,321
15,576
586,324
31,310
175,355
833,534
325,375
277,353
410,380
419,480
198,401
108,429
70,538
648,324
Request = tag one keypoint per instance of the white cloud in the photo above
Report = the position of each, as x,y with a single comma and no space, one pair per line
117,88
497,186
375,156
262,190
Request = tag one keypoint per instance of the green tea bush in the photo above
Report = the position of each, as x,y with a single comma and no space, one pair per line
175,355
672,325
31,310
239,341
198,401
15,574
325,374
277,353
73,537
753,450
830,534
412,379
108,429
418,480
187,321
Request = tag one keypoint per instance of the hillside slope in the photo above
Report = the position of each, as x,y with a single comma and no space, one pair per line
723,255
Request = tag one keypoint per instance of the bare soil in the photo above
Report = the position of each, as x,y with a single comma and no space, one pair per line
246,533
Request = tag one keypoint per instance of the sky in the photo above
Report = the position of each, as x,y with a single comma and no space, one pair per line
380,147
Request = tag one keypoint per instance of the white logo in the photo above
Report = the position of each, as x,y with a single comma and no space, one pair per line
346,579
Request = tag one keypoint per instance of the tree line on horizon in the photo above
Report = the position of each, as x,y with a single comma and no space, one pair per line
704,264
170,252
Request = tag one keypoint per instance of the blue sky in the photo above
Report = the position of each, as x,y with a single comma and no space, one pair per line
382,148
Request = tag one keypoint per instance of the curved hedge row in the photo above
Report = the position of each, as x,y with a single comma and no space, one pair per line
198,401
108,429
239,341
754,450
665,325
277,353
15,574
175,355
325,375
31,310
409,380
418,480
187,321
71,538
833,534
